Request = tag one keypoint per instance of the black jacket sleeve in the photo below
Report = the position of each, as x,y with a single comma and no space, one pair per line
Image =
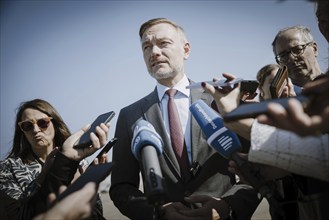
61,173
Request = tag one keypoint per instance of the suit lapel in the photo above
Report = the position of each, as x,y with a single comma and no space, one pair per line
196,132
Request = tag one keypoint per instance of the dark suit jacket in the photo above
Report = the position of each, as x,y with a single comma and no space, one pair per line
213,178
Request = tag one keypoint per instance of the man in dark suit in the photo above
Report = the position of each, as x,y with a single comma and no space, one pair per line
165,48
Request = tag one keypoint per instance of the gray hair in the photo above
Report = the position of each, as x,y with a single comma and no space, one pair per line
304,31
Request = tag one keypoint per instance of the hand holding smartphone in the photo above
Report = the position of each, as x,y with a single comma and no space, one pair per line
85,138
279,82
223,83
249,86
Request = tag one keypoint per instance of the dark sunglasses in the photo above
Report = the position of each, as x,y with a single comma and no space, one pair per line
42,123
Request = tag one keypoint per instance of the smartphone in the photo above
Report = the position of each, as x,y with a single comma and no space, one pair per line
251,110
279,82
96,174
223,83
85,138
104,150
249,86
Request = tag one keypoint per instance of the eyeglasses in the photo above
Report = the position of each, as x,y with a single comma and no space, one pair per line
295,51
43,124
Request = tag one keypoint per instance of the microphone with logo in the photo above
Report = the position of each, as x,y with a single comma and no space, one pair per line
227,143
146,146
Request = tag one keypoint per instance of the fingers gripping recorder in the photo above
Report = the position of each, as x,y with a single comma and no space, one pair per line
226,143
146,146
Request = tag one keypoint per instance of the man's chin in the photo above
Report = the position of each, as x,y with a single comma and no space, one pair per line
161,75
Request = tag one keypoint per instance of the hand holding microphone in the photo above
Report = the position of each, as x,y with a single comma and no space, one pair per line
227,144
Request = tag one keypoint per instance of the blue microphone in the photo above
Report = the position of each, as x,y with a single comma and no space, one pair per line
224,141
227,143
146,146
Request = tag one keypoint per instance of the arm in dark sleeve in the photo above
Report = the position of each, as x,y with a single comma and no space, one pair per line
60,173
8,206
243,199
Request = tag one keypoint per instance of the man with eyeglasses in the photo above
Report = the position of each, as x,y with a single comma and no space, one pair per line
295,47
301,122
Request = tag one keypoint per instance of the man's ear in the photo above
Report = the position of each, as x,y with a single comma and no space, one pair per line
186,50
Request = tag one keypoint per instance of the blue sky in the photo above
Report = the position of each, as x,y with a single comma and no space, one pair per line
84,57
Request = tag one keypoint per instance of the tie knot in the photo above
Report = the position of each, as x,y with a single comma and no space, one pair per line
171,92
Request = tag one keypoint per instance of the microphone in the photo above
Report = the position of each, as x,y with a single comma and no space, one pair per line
227,143
146,146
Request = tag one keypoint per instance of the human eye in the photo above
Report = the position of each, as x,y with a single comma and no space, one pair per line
146,47
165,43
297,50
283,55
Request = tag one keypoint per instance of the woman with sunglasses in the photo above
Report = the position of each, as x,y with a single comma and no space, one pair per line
42,159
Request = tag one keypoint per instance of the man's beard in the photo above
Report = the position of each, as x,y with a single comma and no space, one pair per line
166,75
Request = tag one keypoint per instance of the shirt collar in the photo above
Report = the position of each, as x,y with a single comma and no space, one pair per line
180,86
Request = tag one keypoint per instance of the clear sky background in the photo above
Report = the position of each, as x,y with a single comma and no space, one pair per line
84,57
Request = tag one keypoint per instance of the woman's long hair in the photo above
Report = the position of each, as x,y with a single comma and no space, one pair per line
21,146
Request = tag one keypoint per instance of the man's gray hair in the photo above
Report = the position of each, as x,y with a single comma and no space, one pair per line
304,31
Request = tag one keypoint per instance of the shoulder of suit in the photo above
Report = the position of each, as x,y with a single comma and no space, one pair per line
142,101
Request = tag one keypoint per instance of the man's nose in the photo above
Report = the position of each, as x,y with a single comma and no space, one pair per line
156,51
291,57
